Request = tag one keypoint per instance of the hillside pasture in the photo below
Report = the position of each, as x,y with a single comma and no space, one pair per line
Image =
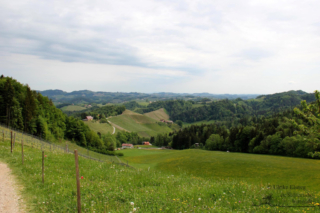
251,168
96,126
107,187
73,108
143,125
158,114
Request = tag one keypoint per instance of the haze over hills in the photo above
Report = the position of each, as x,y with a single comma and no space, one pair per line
88,96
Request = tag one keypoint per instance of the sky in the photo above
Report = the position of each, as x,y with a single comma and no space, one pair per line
181,46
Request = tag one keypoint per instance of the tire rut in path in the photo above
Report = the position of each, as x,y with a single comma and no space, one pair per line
9,198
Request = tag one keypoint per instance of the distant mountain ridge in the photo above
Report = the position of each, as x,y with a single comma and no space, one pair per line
118,97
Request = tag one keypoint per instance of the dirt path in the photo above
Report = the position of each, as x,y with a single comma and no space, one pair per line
9,199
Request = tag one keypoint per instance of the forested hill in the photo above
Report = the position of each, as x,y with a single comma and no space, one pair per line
86,96
229,110
28,110
293,132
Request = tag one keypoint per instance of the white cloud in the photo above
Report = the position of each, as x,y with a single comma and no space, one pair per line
213,46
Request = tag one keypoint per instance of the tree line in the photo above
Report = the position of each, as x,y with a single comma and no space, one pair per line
293,133
24,109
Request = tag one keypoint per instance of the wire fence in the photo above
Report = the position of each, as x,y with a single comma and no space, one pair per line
40,143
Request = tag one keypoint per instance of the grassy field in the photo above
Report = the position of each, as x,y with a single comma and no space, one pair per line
143,125
158,114
143,103
96,126
72,108
251,168
106,187
198,123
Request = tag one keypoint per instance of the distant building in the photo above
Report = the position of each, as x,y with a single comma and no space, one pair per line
88,118
127,146
146,143
168,122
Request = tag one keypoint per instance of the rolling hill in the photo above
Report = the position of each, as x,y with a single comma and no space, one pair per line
255,169
145,126
96,126
158,114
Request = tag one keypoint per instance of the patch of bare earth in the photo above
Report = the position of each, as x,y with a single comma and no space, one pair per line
9,198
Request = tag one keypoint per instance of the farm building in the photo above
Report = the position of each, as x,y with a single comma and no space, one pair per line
127,146
88,118
168,122
146,143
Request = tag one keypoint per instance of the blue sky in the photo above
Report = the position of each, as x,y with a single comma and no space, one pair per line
224,46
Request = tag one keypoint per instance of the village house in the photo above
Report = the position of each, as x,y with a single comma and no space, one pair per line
127,146
168,122
146,143
88,118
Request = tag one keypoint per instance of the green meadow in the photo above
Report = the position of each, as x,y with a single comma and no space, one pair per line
143,125
107,187
198,123
251,168
96,126
72,108
158,114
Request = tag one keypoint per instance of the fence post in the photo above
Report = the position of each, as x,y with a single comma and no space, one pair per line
3,136
14,139
11,141
78,181
42,166
22,151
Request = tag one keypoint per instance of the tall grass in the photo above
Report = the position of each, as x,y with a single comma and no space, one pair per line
106,187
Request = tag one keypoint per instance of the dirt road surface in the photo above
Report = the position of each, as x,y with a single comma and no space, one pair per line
9,198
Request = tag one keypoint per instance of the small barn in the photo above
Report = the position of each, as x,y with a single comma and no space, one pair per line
146,143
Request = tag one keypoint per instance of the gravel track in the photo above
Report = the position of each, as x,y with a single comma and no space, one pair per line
9,198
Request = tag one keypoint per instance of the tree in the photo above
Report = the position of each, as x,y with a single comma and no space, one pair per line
310,113
8,97
180,123
29,110
214,142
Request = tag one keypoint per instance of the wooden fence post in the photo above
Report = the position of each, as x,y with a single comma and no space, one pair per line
14,139
78,181
42,166
3,136
11,141
22,151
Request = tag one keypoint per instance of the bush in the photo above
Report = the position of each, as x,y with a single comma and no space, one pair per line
103,120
